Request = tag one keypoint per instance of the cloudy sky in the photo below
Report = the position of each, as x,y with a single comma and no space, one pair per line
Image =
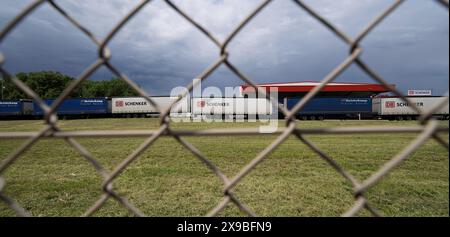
160,50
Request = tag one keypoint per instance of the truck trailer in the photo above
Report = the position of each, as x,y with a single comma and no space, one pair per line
140,107
232,107
78,107
395,108
16,108
332,108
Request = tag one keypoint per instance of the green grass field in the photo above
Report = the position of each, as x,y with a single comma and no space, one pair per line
52,179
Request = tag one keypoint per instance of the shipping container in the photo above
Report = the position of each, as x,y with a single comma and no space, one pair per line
13,108
321,108
83,107
139,106
232,106
397,108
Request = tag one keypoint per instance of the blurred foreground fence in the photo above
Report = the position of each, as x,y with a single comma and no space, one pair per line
427,126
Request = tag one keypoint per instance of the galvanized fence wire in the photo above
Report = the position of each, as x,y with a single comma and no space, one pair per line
427,128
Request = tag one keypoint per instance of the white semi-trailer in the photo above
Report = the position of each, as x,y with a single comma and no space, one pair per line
237,107
140,107
397,108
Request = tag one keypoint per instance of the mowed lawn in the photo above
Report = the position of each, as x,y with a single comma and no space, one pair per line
52,179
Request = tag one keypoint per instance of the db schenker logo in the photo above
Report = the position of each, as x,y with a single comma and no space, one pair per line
119,103
201,104
390,104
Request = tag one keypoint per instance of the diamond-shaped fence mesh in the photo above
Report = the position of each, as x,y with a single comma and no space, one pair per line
427,126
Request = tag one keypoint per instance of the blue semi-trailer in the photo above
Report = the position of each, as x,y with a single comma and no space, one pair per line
82,107
323,108
16,108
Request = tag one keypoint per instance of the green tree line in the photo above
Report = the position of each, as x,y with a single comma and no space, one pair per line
49,85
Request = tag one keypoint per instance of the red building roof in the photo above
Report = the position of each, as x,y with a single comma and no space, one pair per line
307,86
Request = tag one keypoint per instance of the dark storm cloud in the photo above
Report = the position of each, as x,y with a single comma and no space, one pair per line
159,50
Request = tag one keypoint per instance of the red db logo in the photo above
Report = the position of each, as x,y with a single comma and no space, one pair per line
201,103
119,103
390,104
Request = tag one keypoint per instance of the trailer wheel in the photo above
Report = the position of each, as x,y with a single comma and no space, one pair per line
409,118
399,118
313,117
321,118
304,117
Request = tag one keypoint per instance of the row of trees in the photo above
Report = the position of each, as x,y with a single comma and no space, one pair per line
49,85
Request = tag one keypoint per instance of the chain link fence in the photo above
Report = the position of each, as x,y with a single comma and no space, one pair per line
427,127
